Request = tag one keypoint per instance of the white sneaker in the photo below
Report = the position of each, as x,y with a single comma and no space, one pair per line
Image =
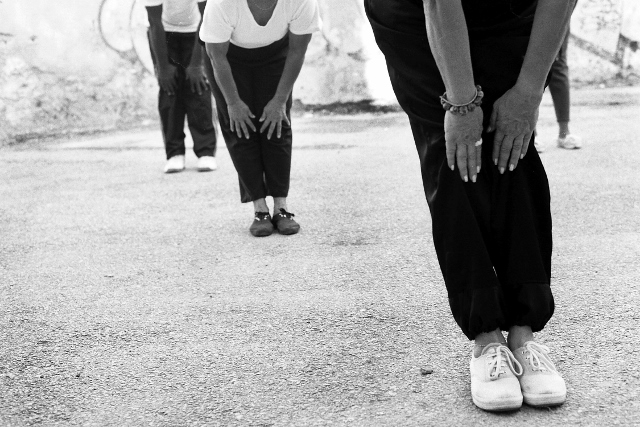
174,164
570,142
539,146
494,382
207,164
541,383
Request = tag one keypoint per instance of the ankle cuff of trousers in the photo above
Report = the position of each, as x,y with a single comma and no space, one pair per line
487,309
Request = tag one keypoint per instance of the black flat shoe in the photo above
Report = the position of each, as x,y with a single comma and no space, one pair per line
262,225
284,222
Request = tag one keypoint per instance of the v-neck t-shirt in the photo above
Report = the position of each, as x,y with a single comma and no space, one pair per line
232,21
179,16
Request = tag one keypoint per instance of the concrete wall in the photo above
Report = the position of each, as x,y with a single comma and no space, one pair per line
85,64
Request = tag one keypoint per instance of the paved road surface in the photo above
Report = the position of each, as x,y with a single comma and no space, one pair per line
129,297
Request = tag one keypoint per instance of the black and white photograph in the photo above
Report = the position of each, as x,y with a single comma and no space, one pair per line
358,213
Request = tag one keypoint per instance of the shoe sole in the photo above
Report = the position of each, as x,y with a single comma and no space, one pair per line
569,148
289,232
205,170
544,399
263,233
502,406
173,170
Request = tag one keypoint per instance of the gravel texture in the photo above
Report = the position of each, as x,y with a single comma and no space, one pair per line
129,297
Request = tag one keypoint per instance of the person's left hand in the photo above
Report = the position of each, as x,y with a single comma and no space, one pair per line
274,113
197,79
514,119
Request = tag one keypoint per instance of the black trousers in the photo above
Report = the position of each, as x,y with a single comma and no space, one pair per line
197,108
263,165
492,237
559,84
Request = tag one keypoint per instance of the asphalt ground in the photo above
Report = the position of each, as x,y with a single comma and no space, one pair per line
130,298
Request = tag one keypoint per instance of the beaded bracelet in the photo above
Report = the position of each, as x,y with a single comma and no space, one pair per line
462,109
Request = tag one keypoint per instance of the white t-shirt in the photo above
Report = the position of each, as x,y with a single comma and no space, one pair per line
179,16
231,20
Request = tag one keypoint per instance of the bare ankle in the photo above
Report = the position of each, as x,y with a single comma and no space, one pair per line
260,205
518,335
486,338
279,203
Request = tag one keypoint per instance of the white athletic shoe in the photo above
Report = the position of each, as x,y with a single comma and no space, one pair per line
174,164
541,383
539,146
494,382
207,164
570,142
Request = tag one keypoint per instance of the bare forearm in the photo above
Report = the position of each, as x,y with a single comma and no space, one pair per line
159,45
292,67
197,54
449,42
223,76
550,26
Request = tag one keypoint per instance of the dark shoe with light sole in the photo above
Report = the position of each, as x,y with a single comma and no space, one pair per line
262,225
284,222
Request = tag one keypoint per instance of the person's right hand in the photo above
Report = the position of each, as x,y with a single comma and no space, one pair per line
461,133
240,117
167,79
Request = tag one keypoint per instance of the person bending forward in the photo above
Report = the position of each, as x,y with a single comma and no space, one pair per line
257,49
490,204
178,61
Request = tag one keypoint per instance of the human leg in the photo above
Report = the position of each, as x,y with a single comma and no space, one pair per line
276,150
492,238
245,153
560,88
198,107
559,85
171,108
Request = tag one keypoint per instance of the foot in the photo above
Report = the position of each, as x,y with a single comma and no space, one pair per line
570,142
262,225
539,146
284,222
494,382
207,164
540,382
174,164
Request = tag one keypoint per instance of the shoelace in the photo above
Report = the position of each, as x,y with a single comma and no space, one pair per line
286,214
500,359
538,354
261,216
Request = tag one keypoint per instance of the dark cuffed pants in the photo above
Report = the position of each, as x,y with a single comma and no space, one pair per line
197,108
492,237
263,165
559,84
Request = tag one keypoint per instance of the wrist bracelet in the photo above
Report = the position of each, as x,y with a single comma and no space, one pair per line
462,109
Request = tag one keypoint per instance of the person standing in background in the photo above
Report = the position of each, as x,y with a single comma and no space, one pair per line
178,57
257,48
560,89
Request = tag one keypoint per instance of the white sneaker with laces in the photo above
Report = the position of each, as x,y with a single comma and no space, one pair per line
570,142
494,382
541,383
207,164
174,164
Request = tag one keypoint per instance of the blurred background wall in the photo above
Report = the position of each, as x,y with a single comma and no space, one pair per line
83,65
